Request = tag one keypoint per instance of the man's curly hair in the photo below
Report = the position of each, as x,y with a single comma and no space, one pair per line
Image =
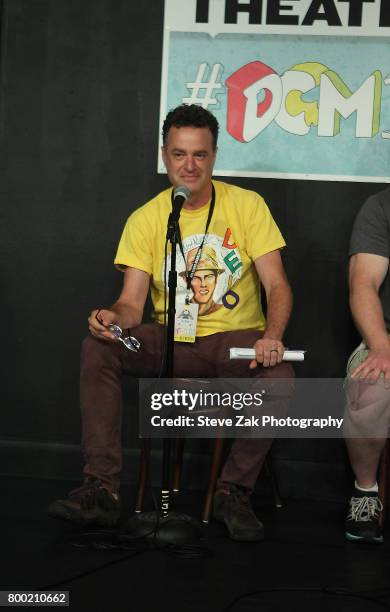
191,115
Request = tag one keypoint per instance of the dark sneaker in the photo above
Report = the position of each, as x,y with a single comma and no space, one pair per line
233,508
90,504
363,520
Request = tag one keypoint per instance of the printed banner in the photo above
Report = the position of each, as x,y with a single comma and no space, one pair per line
300,89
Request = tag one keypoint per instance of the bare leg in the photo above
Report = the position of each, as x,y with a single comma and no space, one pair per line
364,455
366,422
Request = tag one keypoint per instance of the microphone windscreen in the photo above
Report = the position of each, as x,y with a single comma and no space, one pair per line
181,192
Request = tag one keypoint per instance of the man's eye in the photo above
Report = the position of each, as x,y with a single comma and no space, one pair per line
200,155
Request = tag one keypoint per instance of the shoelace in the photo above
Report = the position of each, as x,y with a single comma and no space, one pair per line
90,493
364,508
240,497
240,501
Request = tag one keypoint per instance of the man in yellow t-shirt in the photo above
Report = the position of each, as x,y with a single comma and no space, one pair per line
230,246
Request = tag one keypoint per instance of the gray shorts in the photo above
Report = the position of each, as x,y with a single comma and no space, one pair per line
357,357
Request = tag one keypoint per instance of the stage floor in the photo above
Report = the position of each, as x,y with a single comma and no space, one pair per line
303,564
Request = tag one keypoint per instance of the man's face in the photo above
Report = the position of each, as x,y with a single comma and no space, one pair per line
203,284
189,158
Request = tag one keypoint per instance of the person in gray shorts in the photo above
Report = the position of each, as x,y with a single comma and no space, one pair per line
367,418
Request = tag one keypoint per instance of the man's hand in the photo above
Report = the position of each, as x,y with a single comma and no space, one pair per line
268,351
98,322
376,362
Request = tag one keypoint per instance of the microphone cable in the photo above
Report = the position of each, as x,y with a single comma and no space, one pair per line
324,590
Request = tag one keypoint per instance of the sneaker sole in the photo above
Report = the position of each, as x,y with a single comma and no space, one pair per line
65,514
354,538
248,536
254,537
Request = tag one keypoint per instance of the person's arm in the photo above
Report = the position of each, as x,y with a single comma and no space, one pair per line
269,350
128,309
366,275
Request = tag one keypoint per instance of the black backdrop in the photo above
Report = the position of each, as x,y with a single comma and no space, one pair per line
79,125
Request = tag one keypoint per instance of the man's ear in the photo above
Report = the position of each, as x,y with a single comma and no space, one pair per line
163,154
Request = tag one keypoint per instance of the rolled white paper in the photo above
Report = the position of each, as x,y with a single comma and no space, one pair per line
249,353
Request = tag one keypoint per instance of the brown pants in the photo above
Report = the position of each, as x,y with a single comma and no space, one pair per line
102,366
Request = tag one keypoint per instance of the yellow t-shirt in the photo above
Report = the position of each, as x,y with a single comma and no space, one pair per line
225,284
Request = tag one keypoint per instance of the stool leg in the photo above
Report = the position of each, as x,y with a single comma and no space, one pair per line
143,473
215,466
178,463
274,483
382,478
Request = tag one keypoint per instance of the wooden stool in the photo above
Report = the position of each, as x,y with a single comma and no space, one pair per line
213,476
178,461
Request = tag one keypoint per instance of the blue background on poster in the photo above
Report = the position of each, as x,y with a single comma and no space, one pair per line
275,150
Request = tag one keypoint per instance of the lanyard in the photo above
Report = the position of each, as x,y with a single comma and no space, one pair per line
191,273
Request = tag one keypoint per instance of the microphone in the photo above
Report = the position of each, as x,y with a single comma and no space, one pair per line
180,195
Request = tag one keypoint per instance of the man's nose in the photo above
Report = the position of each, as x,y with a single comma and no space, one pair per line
190,162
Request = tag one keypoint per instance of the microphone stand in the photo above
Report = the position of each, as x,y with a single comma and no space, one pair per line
168,527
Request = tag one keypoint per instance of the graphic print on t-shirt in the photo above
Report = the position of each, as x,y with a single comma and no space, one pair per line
218,270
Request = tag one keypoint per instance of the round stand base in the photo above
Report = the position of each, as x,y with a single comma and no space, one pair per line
176,528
